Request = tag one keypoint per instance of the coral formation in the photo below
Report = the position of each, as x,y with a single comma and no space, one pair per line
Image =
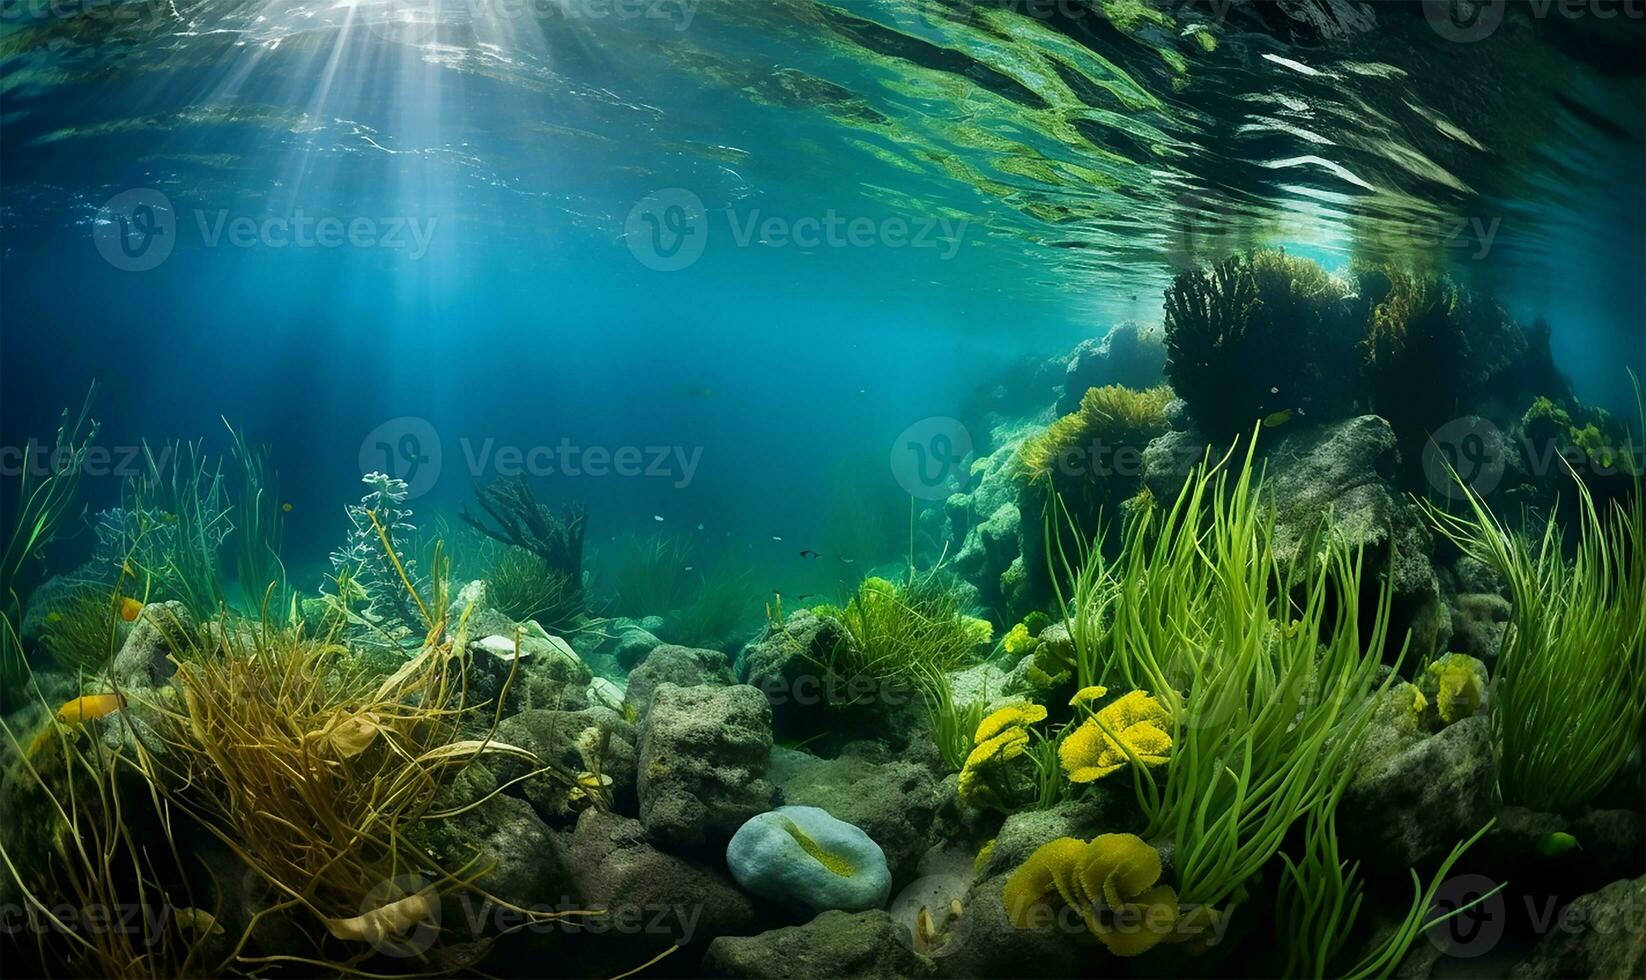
1111,880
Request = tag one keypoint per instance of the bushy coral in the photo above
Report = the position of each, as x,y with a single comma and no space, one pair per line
1081,445
1111,880
1456,683
1253,335
364,568
903,632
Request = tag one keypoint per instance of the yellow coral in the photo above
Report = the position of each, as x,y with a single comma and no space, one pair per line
1135,722
1086,695
1001,737
1018,640
1111,881
1459,684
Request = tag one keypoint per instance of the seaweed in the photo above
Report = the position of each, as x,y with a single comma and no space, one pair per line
520,520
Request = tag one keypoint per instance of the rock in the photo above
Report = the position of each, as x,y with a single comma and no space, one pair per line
784,664
1398,723
1420,802
1129,354
1610,844
835,944
590,740
654,900
702,759
1479,621
984,943
631,643
1024,833
670,664
892,802
161,629
804,858
507,836
1169,460
1601,934
1345,471
985,683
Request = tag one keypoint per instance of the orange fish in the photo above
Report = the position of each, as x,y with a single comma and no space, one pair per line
89,707
129,608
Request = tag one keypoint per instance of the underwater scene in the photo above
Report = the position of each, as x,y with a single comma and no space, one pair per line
822,488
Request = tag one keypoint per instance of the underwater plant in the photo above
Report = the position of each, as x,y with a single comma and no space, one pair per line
642,574
1109,418
41,503
83,632
520,520
952,724
902,632
366,567
1266,673
258,523
1570,692
1253,335
523,586
179,517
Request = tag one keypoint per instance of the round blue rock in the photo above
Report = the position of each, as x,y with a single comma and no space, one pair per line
802,857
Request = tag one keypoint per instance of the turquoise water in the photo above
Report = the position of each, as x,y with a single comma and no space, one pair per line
428,211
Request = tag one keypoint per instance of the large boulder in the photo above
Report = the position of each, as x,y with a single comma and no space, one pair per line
1343,473
1600,935
702,759
652,899
1129,354
786,664
682,666
631,642
893,802
1479,621
1418,803
867,945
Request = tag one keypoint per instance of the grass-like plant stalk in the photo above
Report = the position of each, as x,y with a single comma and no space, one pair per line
953,725
1570,691
183,518
1267,672
42,501
902,632
258,523
82,634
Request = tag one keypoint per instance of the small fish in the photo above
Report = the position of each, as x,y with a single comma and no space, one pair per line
89,707
1275,390
848,561
690,568
658,518
802,597
1555,844
130,608
700,525
288,509
197,921
1277,419
776,538
809,553
54,617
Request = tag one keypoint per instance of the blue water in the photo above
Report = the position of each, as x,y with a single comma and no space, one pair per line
527,316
